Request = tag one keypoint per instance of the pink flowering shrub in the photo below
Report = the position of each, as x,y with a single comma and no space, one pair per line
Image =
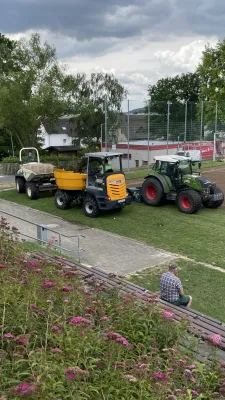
63,339
215,338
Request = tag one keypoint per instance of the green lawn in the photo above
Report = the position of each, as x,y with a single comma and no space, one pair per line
200,236
205,285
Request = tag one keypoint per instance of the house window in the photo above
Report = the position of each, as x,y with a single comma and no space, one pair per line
64,141
144,163
125,156
137,163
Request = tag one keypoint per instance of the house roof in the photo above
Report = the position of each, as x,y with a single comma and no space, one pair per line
62,125
62,149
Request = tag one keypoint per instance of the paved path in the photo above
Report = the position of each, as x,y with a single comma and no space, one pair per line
7,181
104,250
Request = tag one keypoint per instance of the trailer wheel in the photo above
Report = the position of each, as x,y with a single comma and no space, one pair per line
90,207
20,185
62,200
32,191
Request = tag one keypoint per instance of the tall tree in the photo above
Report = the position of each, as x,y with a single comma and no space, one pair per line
177,90
212,74
8,64
34,93
8,61
100,93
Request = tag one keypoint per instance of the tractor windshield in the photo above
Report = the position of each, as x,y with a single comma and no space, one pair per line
185,167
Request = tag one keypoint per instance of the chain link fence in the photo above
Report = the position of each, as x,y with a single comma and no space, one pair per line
166,126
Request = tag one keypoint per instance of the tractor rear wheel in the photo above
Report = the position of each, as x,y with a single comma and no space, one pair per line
188,201
62,200
20,185
152,192
90,207
211,203
32,191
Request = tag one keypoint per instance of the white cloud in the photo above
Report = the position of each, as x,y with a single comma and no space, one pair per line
136,62
185,59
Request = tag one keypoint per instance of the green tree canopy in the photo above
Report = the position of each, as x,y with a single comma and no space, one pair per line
212,74
38,90
177,90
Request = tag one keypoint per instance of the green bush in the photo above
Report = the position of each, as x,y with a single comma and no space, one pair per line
63,339
61,161
10,160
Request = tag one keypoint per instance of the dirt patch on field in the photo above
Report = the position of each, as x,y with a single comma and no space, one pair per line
214,174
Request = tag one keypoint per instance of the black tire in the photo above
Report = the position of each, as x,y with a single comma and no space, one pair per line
152,192
62,200
189,201
32,191
90,207
214,204
20,185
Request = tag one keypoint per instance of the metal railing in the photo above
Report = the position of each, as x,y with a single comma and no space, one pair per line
52,242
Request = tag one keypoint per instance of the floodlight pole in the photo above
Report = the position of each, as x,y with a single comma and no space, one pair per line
106,133
128,134
148,132
214,143
168,127
185,125
101,135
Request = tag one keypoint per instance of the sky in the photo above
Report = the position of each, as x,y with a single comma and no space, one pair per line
139,41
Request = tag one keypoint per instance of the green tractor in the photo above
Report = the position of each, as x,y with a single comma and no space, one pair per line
171,178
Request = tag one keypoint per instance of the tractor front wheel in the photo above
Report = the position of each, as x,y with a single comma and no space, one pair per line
90,207
152,192
214,203
62,200
188,201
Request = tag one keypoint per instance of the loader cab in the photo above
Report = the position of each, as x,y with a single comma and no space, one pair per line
102,165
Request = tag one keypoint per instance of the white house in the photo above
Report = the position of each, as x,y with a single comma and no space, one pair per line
60,133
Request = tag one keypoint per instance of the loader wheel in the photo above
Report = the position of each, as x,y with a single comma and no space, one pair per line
62,200
90,207
32,191
214,204
152,192
20,185
188,201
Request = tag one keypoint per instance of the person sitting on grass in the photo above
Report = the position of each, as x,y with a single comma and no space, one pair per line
171,289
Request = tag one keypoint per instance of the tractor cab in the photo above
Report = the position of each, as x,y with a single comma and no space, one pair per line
174,167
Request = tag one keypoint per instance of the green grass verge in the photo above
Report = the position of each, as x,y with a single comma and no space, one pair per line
205,285
199,236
